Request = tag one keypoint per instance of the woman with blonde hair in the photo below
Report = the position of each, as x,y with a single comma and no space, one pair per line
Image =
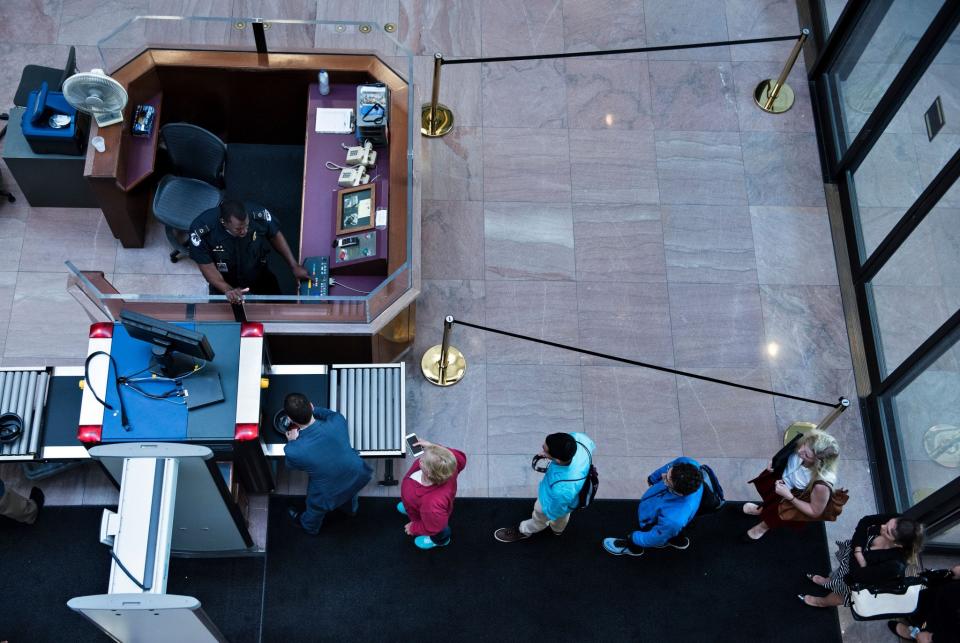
798,485
427,494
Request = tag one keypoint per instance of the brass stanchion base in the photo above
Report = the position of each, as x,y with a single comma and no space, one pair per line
781,103
443,124
430,365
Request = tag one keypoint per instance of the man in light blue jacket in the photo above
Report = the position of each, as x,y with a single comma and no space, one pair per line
666,508
570,456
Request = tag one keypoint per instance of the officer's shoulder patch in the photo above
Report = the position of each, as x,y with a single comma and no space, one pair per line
197,233
263,214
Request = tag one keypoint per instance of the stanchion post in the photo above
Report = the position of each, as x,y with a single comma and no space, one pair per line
841,406
436,119
443,364
776,96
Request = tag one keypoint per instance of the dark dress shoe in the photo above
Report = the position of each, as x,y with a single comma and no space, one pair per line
294,515
36,494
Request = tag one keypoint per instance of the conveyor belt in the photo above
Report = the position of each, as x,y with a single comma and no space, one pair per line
24,392
371,397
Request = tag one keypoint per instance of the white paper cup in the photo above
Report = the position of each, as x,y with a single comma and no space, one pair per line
98,143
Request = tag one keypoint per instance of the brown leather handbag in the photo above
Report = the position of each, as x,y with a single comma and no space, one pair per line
838,497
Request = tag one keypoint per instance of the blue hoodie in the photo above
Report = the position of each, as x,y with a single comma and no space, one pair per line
662,513
559,491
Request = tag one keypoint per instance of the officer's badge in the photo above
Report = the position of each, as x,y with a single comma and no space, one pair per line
195,239
254,236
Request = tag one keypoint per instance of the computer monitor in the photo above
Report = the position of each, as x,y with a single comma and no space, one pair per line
167,339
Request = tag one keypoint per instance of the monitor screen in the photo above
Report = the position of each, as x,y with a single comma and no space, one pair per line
166,336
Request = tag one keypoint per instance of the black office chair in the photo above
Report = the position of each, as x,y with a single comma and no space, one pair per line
34,75
198,159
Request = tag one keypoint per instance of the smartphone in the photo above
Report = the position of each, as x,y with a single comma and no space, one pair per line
415,449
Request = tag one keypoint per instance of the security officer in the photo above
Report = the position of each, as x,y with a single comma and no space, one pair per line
230,245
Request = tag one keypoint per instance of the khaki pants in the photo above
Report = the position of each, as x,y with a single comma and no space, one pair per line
539,521
15,506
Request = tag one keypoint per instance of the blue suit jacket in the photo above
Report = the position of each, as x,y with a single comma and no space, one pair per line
336,473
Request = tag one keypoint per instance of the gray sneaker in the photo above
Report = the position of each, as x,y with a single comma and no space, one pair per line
620,547
509,535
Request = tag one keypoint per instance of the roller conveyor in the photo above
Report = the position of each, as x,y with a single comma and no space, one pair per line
370,397
24,391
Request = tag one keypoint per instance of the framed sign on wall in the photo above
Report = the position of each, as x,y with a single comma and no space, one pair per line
355,208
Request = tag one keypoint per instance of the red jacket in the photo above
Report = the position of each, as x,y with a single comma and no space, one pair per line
429,508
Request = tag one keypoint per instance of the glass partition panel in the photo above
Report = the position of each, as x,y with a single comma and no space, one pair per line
926,415
918,289
905,159
885,36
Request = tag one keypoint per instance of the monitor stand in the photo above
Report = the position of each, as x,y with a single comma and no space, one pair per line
203,387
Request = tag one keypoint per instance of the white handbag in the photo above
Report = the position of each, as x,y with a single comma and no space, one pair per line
876,603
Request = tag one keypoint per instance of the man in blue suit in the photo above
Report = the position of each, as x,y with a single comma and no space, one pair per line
318,443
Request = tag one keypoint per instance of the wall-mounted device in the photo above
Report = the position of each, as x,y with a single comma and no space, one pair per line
373,113
354,247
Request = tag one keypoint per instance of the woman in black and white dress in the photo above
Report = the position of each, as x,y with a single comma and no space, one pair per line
879,551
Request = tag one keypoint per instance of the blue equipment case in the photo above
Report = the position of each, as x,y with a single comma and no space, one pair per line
43,104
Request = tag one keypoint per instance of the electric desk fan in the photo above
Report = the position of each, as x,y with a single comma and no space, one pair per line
97,94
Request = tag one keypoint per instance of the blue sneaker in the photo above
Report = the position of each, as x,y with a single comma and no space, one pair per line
620,547
426,542
401,508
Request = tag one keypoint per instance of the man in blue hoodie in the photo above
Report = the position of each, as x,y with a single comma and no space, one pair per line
570,456
666,508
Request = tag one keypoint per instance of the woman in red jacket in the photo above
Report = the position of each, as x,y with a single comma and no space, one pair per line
427,494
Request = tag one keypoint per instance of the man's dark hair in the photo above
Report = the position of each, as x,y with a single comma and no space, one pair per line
686,478
233,209
298,409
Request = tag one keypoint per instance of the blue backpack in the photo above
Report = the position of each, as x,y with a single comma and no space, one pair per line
712,499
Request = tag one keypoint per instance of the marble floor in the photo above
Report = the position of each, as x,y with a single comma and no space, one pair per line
639,205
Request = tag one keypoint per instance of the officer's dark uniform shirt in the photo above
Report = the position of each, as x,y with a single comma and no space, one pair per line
242,261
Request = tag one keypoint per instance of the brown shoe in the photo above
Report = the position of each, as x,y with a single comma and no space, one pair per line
509,535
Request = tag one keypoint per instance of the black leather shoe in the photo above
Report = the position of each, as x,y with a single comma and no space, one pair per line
294,515
36,494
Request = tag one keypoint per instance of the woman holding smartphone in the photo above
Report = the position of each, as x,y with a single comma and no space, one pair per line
427,492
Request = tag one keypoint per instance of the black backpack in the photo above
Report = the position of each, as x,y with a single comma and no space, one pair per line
591,482
712,498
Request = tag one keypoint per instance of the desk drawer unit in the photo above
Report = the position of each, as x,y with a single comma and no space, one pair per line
371,398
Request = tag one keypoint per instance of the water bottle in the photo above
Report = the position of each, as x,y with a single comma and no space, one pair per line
324,78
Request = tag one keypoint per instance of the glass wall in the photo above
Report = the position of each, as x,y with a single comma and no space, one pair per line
883,38
900,205
927,417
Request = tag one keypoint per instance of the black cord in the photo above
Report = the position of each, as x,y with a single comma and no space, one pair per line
379,119
117,382
126,571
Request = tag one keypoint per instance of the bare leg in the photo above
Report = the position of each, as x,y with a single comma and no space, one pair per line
751,509
830,600
758,530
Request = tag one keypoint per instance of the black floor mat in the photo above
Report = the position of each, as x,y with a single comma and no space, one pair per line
44,565
362,579
271,175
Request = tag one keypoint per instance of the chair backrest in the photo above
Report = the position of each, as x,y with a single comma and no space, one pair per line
195,152
70,68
